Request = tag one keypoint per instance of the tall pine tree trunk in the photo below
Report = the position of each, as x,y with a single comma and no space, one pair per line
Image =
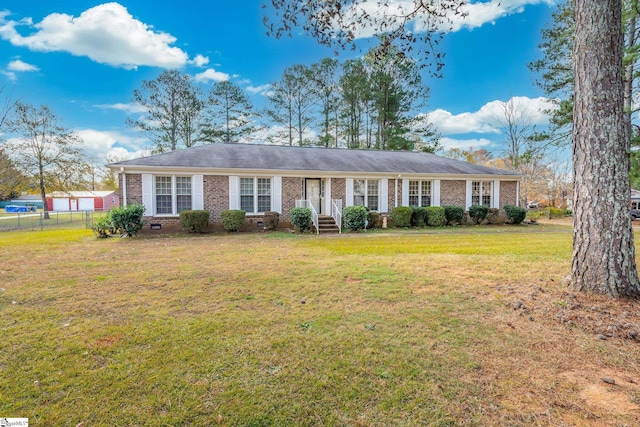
603,246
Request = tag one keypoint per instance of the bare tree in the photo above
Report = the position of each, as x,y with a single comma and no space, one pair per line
43,149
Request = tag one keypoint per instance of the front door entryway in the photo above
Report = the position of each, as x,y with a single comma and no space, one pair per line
313,193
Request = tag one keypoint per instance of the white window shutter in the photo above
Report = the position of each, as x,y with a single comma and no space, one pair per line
495,201
435,192
234,191
276,194
405,192
468,198
197,188
349,190
384,195
147,193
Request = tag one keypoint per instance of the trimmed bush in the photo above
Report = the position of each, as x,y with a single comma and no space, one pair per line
232,219
127,220
271,219
453,214
478,213
301,218
418,216
194,221
102,227
401,216
374,219
515,214
354,217
436,216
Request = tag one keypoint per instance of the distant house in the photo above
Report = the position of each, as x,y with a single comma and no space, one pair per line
260,178
82,200
635,199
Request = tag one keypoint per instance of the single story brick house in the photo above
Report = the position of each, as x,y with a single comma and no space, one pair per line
258,178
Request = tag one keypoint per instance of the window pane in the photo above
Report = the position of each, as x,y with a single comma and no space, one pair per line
246,203
475,193
358,187
264,203
486,193
414,193
246,186
264,187
163,195
184,203
372,194
426,193
183,185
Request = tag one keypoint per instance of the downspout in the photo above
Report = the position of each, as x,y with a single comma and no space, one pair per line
396,202
124,187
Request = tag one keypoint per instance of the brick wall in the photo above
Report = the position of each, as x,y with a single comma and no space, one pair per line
453,193
216,195
339,190
134,189
292,190
508,190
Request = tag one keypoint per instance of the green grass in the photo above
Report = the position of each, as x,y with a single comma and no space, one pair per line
278,330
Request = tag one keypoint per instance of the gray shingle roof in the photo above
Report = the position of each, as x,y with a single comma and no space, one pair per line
285,158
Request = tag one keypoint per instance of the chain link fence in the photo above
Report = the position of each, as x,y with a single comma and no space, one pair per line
37,220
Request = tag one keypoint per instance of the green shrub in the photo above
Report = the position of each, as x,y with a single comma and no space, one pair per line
374,219
568,212
401,216
515,214
534,216
194,221
453,214
436,216
232,219
478,213
354,217
271,220
102,227
301,218
418,216
127,220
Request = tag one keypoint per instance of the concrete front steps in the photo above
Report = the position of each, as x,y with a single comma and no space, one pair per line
327,224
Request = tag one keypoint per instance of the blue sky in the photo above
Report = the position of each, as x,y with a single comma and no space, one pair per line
85,58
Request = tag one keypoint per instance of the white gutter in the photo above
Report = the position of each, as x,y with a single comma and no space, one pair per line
124,187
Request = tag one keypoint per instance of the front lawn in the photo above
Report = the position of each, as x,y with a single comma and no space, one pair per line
277,330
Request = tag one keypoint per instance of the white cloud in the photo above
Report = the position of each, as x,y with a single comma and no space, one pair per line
472,15
448,143
211,75
106,33
200,60
100,143
21,66
130,108
262,89
490,118
10,75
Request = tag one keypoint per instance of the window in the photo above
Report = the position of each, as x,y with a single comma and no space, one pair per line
481,192
372,194
420,193
163,195
366,193
169,186
255,194
183,192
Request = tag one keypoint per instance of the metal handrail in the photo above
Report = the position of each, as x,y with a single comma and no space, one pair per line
314,214
336,212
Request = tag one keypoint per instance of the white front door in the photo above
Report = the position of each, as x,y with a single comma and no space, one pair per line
74,205
313,194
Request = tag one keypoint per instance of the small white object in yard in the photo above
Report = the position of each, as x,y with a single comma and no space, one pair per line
13,302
